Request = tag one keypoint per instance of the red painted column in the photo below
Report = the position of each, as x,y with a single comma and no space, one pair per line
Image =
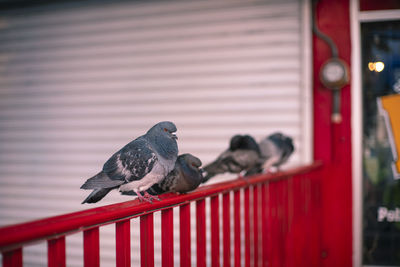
123,243
226,229
332,142
184,235
13,258
255,225
56,252
167,237
91,247
215,231
147,240
237,230
247,227
201,232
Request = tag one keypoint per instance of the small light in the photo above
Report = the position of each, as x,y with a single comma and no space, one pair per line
379,66
371,66
376,66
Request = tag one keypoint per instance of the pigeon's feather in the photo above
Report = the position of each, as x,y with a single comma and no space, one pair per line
101,180
97,194
132,162
186,176
275,150
243,154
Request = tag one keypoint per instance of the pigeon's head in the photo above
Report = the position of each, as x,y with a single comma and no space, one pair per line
165,128
191,161
191,166
243,142
276,136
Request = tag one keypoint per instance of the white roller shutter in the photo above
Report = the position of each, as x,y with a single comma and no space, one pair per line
78,81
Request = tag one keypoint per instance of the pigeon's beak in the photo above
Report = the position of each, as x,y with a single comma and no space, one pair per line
201,171
174,137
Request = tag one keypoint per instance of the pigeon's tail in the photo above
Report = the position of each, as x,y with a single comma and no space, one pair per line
101,180
96,195
255,170
210,171
208,176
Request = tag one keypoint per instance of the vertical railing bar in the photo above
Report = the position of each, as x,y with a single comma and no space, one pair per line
184,235
247,227
237,230
285,220
201,232
255,224
264,222
123,243
91,247
290,221
147,240
226,218
167,237
215,261
12,258
56,252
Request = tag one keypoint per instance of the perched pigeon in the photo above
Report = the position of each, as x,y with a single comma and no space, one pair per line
186,176
275,151
137,166
243,154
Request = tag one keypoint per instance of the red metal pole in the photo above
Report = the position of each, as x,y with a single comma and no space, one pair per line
290,223
13,258
167,237
215,231
201,232
147,240
284,220
236,225
272,226
264,223
255,224
184,224
56,252
247,227
226,229
123,243
91,247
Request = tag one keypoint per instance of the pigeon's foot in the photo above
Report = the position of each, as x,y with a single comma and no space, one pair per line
143,197
146,197
151,197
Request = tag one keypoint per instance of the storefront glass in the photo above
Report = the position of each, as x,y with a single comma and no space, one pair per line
381,143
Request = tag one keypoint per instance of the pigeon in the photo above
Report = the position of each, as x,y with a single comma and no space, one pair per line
137,166
242,155
186,176
275,151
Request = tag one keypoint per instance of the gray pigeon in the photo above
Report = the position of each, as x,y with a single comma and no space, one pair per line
138,165
275,151
242,155
186,176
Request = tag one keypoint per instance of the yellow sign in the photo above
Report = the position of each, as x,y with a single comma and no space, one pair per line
389,107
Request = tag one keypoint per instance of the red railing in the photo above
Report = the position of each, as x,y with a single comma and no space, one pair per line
281,218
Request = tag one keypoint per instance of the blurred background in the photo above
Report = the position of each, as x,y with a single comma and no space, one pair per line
80,79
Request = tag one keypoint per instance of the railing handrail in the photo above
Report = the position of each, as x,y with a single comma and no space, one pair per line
14,236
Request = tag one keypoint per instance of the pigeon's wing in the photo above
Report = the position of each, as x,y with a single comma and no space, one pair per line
132,162
173,179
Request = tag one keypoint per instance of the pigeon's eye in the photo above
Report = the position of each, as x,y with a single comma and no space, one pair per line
165,130
194,165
